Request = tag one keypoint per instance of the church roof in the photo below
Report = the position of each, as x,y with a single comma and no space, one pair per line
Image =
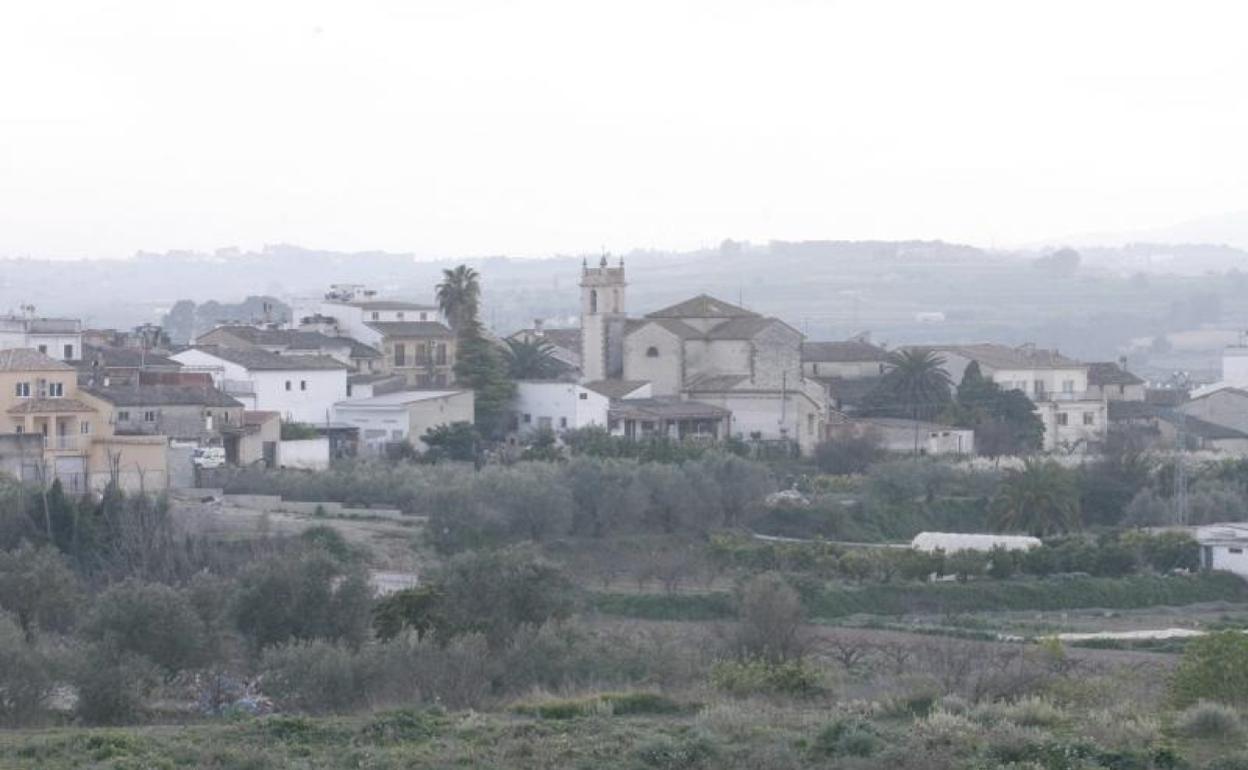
616,388
702,306
841,352
715,382
742,328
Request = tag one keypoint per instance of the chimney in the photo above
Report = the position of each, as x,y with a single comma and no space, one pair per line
538,327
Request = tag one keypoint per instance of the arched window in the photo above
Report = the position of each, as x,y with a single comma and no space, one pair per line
593,300
652,352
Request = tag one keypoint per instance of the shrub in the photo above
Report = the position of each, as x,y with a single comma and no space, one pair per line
459,673
37,586
670,754
770,619
1214,667
848,737
607,704
761,677
112,685
148,619
849,454
1025,712
307,596
1209,720
405,725
496,593
317,677
25,679
1234,762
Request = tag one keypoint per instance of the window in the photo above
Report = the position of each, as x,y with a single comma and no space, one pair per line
84,428
424,316
545,423
652,352
149,416
441,354
376,316
1089,418
593,301
528,418
43,349
1122,389
303,384
399,315
1068,386
400,354
123,416
584,397
810,425
19,429
287,384
56,389
1038,387
1235,550
1063,418
23,390
563,422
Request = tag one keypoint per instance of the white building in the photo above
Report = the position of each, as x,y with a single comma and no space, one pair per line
348,309
300,388
559,406
57,338
404,415
1224,547
1075,418
902,436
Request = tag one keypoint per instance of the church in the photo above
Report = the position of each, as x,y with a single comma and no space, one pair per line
706,363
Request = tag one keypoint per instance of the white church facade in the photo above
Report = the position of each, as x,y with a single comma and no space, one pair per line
742,369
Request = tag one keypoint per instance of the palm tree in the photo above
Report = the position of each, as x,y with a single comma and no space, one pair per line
532,360
459,296
1041,499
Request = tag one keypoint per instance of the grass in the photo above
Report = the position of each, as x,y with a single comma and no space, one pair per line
774,734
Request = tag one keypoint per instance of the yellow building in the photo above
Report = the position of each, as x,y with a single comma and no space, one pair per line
39,395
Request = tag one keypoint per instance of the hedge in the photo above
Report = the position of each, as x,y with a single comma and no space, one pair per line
1133,592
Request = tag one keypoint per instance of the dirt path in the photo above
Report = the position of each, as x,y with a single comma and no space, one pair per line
395,545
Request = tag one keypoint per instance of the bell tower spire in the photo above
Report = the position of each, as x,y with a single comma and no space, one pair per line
602,320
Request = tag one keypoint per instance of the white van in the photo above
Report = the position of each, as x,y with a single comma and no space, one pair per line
208,457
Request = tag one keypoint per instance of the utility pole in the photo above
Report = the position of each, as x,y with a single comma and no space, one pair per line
1180,381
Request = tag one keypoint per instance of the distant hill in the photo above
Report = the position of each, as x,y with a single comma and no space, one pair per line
1229,229
1091,305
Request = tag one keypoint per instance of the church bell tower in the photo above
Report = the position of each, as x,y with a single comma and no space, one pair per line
602,320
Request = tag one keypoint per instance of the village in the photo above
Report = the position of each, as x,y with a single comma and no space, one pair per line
354,373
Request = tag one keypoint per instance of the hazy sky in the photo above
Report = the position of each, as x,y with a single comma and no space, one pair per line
468,128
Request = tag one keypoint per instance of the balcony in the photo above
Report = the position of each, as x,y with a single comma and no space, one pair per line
1064,396
63,443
